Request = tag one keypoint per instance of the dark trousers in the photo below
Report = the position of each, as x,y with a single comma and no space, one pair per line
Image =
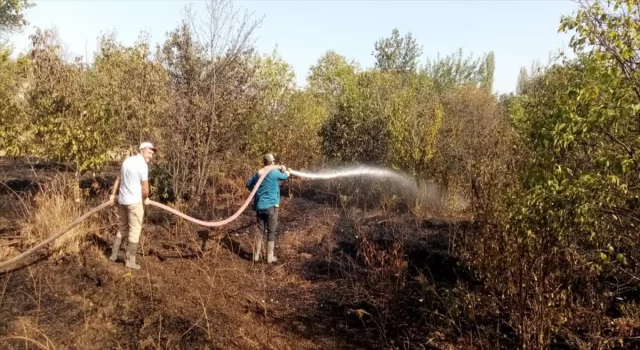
267,219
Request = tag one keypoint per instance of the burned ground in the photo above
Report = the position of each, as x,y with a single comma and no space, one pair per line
347,278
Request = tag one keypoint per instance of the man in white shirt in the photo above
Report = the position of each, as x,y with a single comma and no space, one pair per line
132,186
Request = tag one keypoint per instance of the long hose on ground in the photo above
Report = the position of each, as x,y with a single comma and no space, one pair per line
263,173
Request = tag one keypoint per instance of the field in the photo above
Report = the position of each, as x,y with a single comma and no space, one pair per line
198,288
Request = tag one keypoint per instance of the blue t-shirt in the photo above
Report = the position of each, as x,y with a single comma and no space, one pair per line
268,194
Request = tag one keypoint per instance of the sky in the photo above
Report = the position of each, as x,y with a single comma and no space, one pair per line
519,32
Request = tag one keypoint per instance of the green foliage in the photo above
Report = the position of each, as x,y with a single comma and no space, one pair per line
415,120
523,79
186,123
454,70
286,121
274,81
12,79
571,200
575,156
489,71
527,77
331,78
611,28
568,219
12,15
67,116
358,131
397,54
213,104
12,104
134,86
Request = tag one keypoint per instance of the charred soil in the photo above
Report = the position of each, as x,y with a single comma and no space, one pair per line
346,278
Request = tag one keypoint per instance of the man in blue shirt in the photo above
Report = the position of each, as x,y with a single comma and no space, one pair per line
266,202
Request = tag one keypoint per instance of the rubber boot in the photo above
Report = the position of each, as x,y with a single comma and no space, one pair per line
131,256
115,249
257,249
270,257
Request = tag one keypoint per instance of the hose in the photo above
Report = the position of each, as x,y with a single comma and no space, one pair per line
107,204
56,235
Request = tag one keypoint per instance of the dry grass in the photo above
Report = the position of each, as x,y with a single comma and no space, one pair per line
55,207
26,330
7,250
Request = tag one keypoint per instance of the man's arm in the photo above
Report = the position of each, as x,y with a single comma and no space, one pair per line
252,181
115,188
144,181
284,173
145,189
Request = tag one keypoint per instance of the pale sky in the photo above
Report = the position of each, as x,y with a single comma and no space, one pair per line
518,31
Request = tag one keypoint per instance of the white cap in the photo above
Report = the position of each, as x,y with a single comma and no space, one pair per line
147,145
269,157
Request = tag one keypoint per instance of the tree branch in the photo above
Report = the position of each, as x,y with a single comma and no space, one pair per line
628,149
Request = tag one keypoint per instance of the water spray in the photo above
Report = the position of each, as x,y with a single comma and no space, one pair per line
400,178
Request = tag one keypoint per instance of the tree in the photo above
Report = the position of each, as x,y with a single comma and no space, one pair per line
330,79
273,85
610,31
67,114
397,53
213,99
300,143
415,119
135,87
454,71
570,213
358,131
527,77
13,120
183,125
330,76
12,16
490,67
523,79
226,39
12,79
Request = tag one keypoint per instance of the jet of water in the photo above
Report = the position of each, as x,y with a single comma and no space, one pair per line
360,171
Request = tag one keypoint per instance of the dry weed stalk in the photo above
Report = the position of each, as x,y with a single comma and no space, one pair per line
55,207
36,281
206,318
4,289
29,339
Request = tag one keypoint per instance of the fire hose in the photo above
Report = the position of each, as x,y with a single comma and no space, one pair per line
263,173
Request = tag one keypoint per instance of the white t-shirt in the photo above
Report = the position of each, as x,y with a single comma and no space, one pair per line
134,170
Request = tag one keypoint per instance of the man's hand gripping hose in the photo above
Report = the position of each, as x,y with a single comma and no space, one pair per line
263,172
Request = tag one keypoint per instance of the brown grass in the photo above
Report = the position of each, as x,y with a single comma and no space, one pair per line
55,207
7,250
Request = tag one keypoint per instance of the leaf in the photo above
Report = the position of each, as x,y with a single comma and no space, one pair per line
603,257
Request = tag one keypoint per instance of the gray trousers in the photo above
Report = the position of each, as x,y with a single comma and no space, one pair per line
267,220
